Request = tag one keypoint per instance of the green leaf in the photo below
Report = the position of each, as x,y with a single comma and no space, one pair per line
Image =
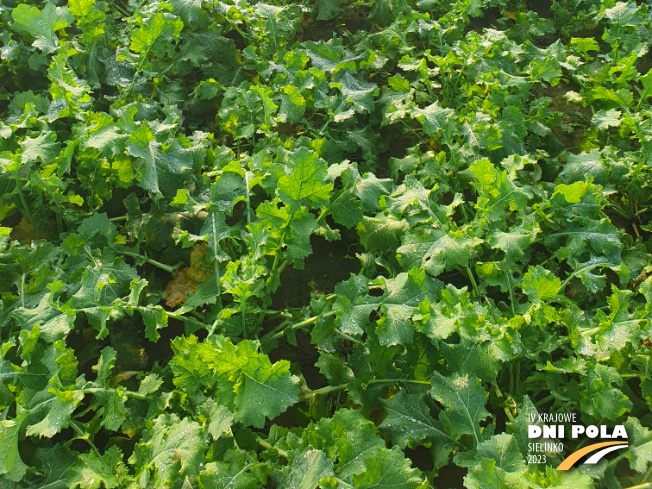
51,407
409,422
265,390
302,225
81,9
381,232
640,445
346,210
514,242
546,69
105,136
170,450
347,437
354,305
55,464
389,469
585,45
540,285
11,464
307,469
464,399
622,97
52,323
434,118
335,370
358,93
99,287
470,357
113,408
497,190
411,197
188,364
43,147
502,449
622,13
163,166
383,11
97,224
41,24
604,119
545,64
151,383
216,55
159,28
399,302
155,318
435,250
518,428
221,419
189,10
54,409
95,471
306,185
370,189
239,470
485,173
486,475
254,388
452,313
293,104
105,364
327,9
646,81
600,398
557,479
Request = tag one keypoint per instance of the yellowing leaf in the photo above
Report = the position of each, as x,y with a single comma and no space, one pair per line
188,280
573,192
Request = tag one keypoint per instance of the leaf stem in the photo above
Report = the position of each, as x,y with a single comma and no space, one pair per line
269,446
499,393
473,282
95,390
577,272
243,311
332,388
398,381
328,209
647,475
158,264
19,187
545,400
22,289
615,461
512,300
83,435
349,337
511,378
133,80
248,194
280,330
325,390
216,263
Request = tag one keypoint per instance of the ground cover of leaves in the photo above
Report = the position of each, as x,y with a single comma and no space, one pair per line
325,244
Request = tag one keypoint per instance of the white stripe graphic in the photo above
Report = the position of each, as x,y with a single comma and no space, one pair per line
595,458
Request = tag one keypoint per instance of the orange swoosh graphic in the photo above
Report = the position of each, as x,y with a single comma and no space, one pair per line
575,456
